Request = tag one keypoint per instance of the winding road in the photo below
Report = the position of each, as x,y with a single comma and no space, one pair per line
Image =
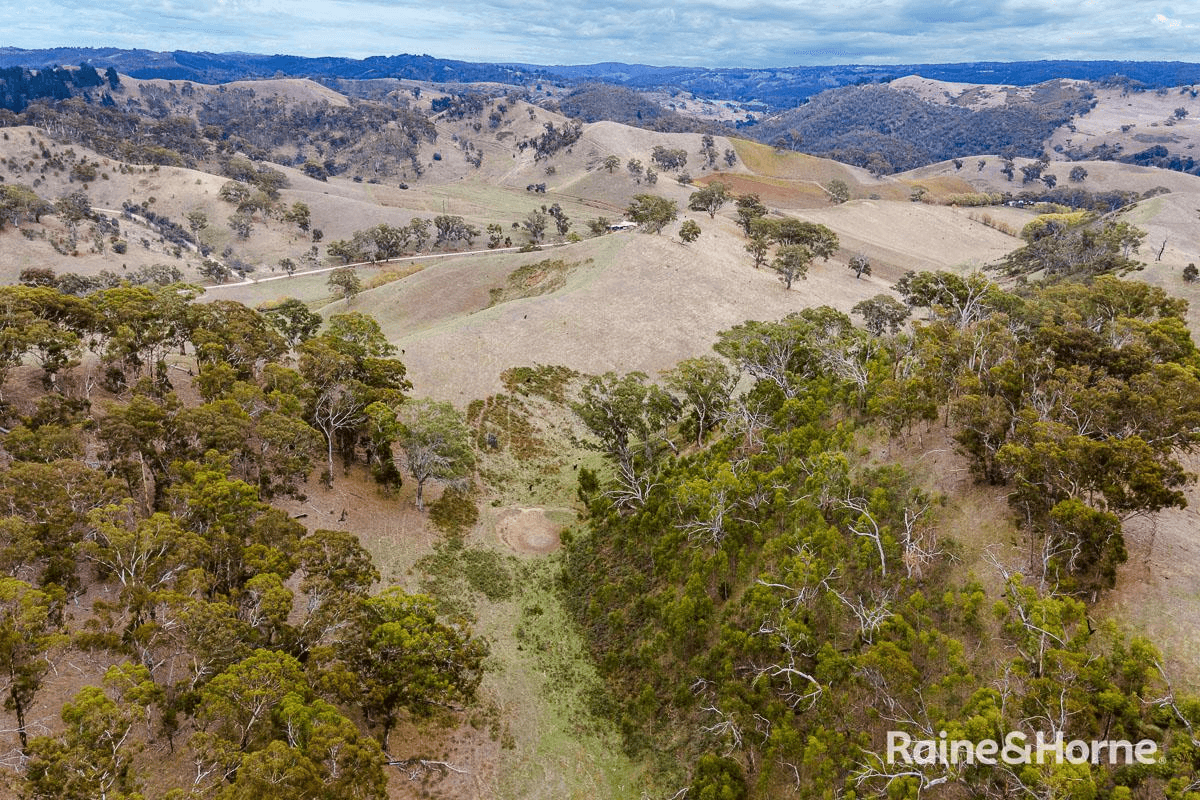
253,281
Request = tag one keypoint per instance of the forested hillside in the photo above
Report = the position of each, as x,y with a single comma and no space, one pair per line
172,125
862,121
890,130
234,652
593,102
767,607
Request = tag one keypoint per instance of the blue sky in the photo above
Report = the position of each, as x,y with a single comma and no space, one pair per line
701,33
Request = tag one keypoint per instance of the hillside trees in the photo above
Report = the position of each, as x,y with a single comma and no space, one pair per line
294,321
317,752
241,224
1075,246
347,368
19,202
689,231
408,661
93,757
896,131
264,732
228,332
882,312
535,226
562,223
819,239
860,264
838,190
706,384
299,215
197,221
708,150
345,282
30,625
436,444
194,600
749,208
710,199
798,242
386,241
384,138
135,326
667,158
847,607
451,228
791,262
759,247
627,415
552,139
635,169
652,212
1080,399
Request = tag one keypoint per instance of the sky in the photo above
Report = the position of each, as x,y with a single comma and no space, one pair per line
716,33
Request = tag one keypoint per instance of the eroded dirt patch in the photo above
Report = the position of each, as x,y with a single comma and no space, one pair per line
528,530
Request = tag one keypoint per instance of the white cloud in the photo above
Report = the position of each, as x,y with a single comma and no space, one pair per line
732,33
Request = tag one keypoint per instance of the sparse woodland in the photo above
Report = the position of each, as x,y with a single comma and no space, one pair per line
259,649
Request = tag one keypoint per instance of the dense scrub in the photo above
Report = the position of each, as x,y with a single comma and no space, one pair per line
768,607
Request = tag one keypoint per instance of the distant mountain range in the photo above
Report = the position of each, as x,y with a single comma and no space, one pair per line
774,88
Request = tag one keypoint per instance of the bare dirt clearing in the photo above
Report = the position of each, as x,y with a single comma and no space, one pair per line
528,530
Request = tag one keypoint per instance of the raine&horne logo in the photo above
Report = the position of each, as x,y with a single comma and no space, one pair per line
1016,749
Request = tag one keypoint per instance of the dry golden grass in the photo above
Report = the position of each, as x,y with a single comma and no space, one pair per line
390,274
767,161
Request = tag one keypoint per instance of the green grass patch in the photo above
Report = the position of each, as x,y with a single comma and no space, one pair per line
456,575
534,280
542,380
454,512
504,422
570,748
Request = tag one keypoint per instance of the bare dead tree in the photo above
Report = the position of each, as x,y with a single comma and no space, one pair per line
418,768
876,768
800,687
918,543
725,729
797,597
871,613
866,526
749,422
